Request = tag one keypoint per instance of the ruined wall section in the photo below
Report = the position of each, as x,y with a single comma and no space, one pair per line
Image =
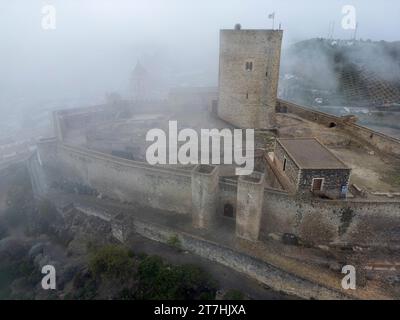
247,98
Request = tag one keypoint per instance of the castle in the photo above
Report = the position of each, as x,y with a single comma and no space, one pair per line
304,180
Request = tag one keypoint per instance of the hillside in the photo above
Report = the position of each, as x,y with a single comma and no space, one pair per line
341,72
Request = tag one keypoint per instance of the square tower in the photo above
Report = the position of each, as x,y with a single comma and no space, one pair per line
248,77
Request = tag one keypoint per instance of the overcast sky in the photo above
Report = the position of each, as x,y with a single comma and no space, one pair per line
96,43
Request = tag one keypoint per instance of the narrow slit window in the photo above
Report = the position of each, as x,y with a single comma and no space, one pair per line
249,66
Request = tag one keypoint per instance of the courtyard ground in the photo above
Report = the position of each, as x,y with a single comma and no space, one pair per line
371,171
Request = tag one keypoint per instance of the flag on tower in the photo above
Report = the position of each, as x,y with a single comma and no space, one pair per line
272,16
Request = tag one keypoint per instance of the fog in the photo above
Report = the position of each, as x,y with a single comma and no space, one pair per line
97,43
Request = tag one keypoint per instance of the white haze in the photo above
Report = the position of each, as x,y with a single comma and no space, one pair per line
97,42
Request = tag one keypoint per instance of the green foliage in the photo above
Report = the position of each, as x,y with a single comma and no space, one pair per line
12,270
142,255
126,294
112,261
163,281
234,295
114,272
175,242
85,287
92,246
393,177
87,292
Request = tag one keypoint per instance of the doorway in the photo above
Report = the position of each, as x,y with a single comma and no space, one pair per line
228,211
317,184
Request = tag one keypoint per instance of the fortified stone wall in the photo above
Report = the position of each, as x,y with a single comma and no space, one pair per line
375,139
140,183
331,221
315,220
121,179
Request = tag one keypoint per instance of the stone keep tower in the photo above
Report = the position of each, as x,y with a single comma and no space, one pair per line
248,77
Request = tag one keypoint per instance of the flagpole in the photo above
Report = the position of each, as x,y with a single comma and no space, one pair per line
272,16
355,32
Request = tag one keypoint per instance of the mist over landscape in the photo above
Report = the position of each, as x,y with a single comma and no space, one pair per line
227,150
96,44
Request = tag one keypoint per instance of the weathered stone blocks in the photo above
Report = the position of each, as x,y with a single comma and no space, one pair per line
205,192
250,195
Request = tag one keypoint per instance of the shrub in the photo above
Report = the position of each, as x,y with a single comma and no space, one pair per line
174,241
195,283
163,281
112,261
126,294
85,287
